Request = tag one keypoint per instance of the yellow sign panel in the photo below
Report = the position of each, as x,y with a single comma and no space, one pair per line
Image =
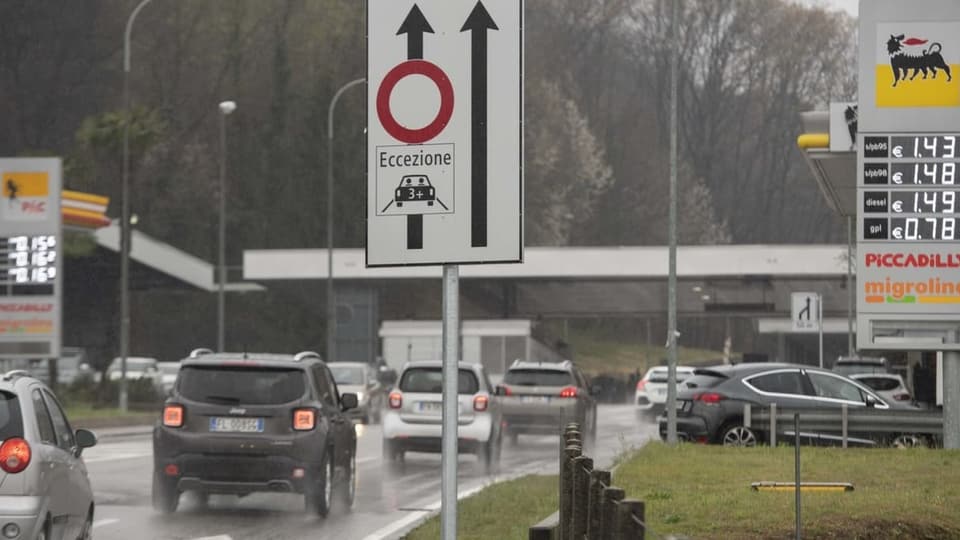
25,184
918,91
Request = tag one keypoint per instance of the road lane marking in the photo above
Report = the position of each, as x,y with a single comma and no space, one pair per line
102,522
218,537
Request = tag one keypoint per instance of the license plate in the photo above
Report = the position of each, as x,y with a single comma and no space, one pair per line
534,399
236,425
430,407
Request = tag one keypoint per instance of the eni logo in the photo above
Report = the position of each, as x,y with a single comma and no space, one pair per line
915,63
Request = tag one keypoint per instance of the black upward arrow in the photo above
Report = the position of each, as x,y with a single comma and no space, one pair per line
415,25
478,22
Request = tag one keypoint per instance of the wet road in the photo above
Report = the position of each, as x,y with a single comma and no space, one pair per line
387,504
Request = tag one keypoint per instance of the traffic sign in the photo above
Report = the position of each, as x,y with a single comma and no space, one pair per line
445,134
805,311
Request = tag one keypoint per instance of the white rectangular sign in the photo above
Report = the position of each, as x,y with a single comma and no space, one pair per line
805,311
444,132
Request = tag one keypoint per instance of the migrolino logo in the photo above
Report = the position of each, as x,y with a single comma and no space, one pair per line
931,291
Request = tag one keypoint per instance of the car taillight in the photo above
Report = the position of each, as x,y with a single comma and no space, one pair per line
901,397
304,419
396,400
709,397
569,392
480,403
173,415
640,384
14,455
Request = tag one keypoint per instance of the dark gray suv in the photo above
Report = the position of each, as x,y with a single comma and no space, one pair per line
241,423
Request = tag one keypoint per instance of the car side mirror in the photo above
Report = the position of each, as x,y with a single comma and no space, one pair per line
85,439
348,401
871,401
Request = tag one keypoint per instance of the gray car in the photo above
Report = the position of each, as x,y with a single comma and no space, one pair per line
360,378
44,489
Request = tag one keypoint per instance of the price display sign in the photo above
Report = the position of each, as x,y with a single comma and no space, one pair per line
908,231
30,258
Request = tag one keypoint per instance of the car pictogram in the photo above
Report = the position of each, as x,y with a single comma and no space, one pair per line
414,188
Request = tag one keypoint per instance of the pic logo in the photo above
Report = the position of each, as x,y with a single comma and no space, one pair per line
26,196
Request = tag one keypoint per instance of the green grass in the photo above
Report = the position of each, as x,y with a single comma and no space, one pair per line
501,511
596,355
704,492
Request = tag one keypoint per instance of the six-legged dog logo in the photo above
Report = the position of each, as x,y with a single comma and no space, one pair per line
928,61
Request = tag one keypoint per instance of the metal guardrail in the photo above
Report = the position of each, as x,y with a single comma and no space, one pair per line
845,425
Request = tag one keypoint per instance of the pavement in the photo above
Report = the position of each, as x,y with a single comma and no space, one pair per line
388,502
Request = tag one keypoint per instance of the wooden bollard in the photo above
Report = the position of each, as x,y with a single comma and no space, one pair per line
598,480
582,465
608,513
566,489
627,526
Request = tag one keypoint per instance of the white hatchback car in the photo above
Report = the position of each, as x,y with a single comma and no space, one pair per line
651,391
412,420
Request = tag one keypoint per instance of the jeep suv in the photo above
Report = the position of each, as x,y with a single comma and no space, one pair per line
541,397
240,423
44,488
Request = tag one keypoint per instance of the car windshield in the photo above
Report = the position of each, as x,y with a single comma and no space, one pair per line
241,385
660,376
347,374
430,380
704,380
880,383
11,424
538,377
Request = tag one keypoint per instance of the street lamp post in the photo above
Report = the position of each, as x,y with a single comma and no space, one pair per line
331,301
125,213
226,107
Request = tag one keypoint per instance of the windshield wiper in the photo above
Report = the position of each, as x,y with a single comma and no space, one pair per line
223,399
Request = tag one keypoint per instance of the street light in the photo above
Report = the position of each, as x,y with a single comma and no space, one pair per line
331,301
226,107
125,214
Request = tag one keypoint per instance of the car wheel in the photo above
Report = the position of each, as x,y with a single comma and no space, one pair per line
165,495
318,493
908,440
86,533
490,455
348,488
738,435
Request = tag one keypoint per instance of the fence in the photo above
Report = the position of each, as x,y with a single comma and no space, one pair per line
590,508
859,426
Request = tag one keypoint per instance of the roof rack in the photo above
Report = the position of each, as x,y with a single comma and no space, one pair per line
200,352
16,373
306,354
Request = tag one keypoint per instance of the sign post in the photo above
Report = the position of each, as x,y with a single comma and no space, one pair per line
445,158
30,258
806,310
908,156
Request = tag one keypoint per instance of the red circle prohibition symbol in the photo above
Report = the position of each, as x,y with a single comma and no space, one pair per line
431,130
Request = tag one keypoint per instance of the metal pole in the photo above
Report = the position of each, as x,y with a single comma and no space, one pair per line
672,280
331,300
851,294
448,443
125,213
222,236
820,326
796,459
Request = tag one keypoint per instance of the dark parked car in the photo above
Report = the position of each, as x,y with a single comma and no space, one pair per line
240,423
710,407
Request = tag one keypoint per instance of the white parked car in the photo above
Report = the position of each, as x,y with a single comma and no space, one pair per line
168,375
412,420
138,367
890,386
651,391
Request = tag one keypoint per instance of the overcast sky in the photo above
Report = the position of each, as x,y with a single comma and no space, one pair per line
850,6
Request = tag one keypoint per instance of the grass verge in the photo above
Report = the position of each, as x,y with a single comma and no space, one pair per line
704,492
598,355
503,510
94,417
